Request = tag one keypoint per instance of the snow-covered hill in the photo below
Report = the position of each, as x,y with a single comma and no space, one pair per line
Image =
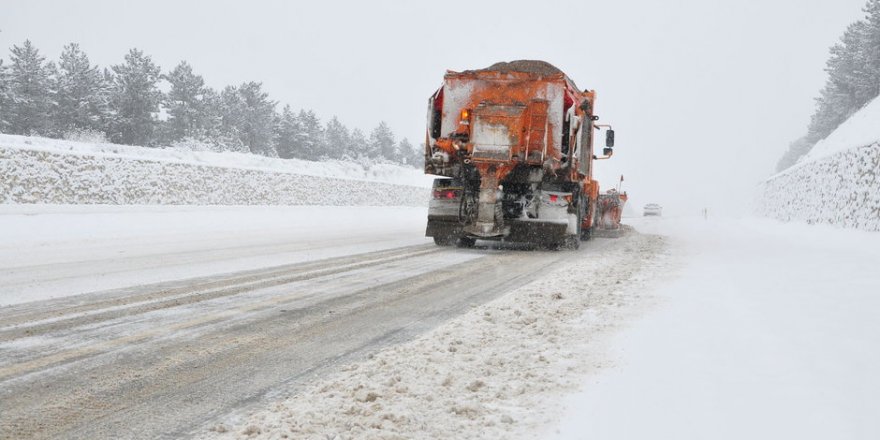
51,171
837,183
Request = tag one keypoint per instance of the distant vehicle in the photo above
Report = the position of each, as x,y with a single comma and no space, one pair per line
653,209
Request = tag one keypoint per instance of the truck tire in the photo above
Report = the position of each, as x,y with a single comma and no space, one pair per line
571,242
586,234
466,242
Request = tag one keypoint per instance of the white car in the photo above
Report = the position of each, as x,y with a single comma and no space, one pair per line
653,209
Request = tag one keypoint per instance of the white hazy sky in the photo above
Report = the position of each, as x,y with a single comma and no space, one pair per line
704,94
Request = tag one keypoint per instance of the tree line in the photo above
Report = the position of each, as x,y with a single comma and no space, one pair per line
74,99
853,80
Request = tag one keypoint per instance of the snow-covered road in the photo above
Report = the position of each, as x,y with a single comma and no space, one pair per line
169,322
51,251
768,331
273,299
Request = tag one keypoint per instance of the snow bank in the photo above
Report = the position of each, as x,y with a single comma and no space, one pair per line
767,331
494,372
51,171
837,183
860,130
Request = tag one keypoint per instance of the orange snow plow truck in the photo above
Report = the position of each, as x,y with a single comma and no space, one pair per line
513,144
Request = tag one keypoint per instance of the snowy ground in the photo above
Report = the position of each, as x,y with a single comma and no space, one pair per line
495,372
768,331
56,251
730,328
739,329
170,359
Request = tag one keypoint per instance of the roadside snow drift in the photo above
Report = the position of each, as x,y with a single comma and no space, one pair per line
50,171
837,183
766,331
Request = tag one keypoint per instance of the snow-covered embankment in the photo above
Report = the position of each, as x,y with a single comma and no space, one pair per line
48,171
837,183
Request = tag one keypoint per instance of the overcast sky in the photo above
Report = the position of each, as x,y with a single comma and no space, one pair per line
704,94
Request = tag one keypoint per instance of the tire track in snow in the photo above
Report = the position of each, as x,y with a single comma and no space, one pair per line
121,377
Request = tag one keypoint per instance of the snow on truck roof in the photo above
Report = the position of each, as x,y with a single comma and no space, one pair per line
531,67
536,67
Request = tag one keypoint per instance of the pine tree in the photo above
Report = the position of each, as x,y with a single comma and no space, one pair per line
135,100
248,118
213,117
30,94
312,138
230,109
795,151
258,119
337,139
4,100
871,46
850,85
82,93
358,145
187,104
381,144
288,133
405,151
419,157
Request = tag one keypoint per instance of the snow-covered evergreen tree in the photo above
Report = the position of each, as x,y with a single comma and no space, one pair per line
82,93
358,145
288,134
4,98
871,45
248,118
312,138
30,92
259,117
337,139
188,103
381,144
135,100
795,151
408,154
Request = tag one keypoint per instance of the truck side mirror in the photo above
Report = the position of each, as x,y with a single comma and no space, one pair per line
609,138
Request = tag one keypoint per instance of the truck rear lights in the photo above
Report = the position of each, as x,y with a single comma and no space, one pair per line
445,194
554,197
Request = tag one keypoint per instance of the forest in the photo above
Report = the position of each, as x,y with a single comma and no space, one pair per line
853,69
137,103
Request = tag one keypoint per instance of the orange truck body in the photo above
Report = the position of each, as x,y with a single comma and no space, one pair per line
514,147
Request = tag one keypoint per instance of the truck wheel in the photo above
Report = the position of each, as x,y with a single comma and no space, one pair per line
587,234
571,242
583,233
467,242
